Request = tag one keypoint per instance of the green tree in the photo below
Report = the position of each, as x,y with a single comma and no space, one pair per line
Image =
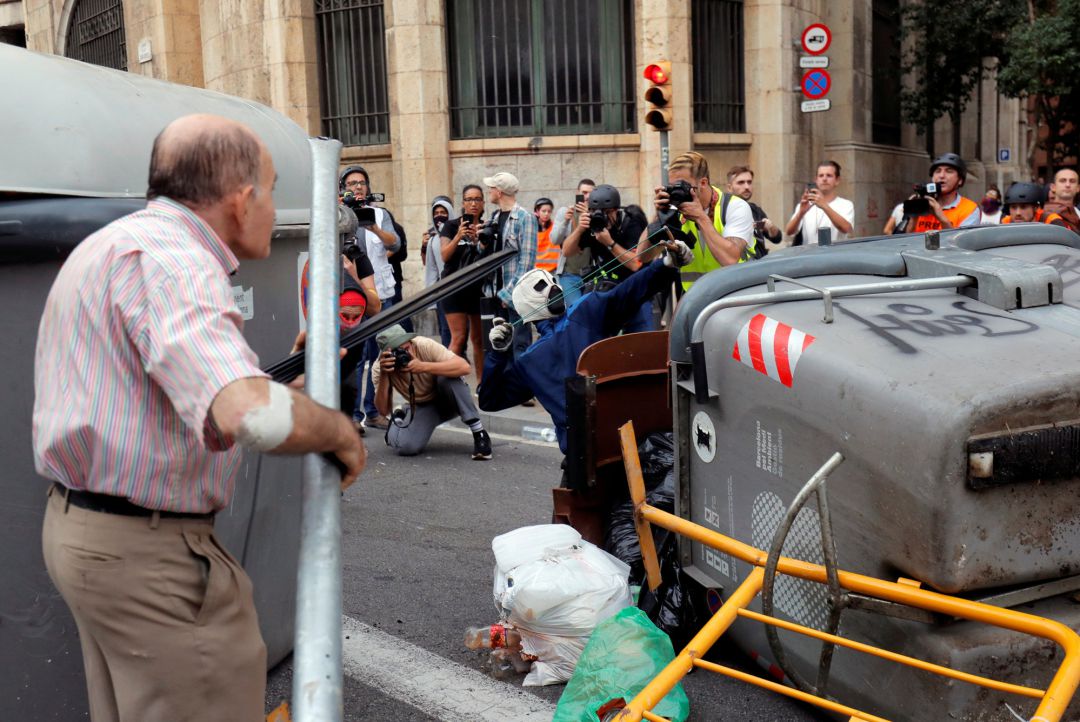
1042,61
1032,46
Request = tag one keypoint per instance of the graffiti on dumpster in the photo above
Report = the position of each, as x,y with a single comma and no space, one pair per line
1068,265
920,321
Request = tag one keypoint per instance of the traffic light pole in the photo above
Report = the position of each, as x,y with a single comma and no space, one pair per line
663,157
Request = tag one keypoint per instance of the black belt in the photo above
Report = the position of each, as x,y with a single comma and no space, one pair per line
108,504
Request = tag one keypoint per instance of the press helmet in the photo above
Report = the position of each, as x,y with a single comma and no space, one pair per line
1024,193
349,171
953,161
603,197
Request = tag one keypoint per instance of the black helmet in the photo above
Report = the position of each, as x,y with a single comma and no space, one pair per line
953,161
604,196
349,171
1024,193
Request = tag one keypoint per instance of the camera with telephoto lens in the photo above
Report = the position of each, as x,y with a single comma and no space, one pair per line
402,359
351,249
598,221
488,234
354,201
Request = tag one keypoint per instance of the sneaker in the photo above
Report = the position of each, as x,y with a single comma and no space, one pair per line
358,424
377,422
481,446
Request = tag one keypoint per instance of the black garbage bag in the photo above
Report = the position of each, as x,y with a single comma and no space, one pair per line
668,606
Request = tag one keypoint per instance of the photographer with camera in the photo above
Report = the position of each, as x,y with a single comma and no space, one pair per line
460,247
692,209
821,207
566,218
611,233
380,239
938,204
512,227
429,375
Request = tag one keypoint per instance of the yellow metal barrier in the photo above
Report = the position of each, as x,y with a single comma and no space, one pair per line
1053,700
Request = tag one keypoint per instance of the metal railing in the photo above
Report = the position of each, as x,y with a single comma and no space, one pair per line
1052,701
353,71
718,74
540,67
96,34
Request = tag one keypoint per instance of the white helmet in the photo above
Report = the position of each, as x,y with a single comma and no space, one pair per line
538,296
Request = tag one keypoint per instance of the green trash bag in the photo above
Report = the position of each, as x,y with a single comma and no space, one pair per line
624,653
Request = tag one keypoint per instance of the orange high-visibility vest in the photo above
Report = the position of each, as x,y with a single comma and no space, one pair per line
956,216
547,254
1041,216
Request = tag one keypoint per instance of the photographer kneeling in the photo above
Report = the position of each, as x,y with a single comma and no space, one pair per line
429,375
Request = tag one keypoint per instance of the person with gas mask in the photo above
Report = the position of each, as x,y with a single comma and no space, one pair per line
611,234
542,369
442,210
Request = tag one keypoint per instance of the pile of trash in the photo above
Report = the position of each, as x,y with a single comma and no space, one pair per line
552,589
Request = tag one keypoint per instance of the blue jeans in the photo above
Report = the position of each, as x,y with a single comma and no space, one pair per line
371,356
444,327
571,287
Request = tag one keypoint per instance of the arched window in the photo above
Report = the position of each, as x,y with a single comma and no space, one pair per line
96,33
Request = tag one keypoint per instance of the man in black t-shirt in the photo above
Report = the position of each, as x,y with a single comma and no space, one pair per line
612,235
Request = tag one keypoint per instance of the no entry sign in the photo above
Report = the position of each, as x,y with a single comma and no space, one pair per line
816,84
816,38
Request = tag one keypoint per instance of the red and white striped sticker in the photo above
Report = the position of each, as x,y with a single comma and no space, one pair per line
771,347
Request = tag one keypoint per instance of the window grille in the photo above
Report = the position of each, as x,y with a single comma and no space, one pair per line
96,33
540,67
352,71
717,44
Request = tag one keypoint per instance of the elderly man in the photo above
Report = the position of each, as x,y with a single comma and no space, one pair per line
145,390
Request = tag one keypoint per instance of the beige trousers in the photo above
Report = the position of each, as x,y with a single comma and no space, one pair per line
165,616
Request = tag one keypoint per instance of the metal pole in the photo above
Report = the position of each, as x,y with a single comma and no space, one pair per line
317,677
664,155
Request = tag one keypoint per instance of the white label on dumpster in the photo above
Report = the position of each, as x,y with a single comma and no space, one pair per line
770,450
245,301
703,437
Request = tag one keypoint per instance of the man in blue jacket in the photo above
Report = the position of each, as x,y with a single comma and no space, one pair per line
542,370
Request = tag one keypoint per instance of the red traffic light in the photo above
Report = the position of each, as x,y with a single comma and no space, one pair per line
656,74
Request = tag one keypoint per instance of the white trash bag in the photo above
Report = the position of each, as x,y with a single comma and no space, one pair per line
555,587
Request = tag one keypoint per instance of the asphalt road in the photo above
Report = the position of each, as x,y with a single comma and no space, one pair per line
418,566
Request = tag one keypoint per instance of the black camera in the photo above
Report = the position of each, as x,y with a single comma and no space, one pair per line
354,201
598,220
402,359
488,235
351,249
679,192
920,206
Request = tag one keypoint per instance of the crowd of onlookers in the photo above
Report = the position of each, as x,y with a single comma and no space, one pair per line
595,242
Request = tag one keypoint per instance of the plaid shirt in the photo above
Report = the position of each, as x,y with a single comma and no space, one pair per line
520,233
139,334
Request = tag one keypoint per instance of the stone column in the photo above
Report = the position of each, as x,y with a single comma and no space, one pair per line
172,28
663,33
41,18
784,144
419,118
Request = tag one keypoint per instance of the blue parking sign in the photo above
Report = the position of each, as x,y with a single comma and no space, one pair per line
1004,155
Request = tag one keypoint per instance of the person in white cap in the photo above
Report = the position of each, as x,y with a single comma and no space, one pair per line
516,228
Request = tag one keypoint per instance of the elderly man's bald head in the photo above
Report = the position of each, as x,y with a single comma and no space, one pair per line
199,159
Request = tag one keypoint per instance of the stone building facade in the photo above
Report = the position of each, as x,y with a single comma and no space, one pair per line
282,53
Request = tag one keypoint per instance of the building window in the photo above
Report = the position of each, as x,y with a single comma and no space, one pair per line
717,46
96,33
885,111
540,67
352,71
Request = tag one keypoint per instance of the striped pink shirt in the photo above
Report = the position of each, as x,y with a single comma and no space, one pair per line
139,334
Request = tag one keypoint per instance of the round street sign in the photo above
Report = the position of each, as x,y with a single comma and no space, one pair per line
816,84
816,38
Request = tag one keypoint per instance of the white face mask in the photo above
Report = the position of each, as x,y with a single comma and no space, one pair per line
537,296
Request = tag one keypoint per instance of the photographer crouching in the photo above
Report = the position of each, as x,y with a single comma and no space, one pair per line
429,375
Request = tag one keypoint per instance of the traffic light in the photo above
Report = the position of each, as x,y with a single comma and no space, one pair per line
658,95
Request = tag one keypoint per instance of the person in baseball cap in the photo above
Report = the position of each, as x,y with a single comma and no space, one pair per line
503,181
